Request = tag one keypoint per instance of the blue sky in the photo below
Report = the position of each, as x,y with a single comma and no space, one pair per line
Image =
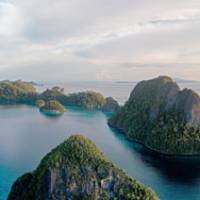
99,40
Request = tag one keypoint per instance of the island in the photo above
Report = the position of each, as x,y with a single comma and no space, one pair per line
162,117
53,94
87,100
17,92
78,170
21,92
52,108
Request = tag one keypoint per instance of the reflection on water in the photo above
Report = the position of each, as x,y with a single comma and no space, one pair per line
177,169
178,177
182,169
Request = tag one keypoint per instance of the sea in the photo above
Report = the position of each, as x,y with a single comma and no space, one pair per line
26,136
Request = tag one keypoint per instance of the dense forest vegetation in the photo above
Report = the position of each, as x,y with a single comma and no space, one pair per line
77,169
52,106
19,92
162,117
88,100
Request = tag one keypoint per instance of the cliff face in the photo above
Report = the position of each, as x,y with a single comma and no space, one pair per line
188,102
156,95
77,170
111,105
162,117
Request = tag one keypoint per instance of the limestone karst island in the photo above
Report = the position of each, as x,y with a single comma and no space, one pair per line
77,169
100,100
162,117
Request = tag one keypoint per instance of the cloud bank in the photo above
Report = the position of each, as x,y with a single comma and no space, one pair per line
99,40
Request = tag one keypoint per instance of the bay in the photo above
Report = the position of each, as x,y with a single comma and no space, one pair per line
26,136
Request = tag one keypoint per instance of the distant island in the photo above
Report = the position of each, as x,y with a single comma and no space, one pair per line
78,170
179,80
88,100
19,80
161,117
12,92
19,92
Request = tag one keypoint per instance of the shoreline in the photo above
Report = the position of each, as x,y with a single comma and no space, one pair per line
51,112
158,153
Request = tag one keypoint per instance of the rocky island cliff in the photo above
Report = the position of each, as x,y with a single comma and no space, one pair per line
110,105
162,117
75,170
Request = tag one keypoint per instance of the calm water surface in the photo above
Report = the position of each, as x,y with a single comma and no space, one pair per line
26,136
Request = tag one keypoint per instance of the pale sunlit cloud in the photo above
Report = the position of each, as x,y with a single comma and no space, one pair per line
99,40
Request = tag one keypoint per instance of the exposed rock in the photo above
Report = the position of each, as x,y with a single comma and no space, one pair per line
111,105
162,117
155,94
77,170
188,102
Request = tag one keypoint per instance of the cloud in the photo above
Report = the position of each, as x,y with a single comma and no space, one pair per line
105,39
104,75
10,19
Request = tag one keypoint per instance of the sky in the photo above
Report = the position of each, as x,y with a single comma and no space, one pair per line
103,40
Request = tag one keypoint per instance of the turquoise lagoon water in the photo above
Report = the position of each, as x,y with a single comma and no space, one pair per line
27,135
